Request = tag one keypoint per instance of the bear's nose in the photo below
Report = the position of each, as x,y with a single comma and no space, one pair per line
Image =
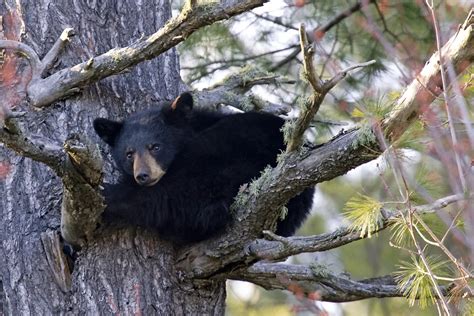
142,178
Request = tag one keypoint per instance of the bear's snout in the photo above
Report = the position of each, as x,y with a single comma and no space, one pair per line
146,170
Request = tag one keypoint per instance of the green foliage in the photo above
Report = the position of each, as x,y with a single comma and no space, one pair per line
469,308
415,282
364,213
401,231
206,47
372,108
413,137
429,183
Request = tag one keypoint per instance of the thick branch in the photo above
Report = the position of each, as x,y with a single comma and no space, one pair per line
328,287
78,165
458,51
193,17
36,148
82,204
234,89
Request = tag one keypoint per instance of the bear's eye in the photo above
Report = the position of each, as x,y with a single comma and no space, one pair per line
154,147
129,154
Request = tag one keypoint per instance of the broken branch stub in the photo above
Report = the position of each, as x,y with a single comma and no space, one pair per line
82,204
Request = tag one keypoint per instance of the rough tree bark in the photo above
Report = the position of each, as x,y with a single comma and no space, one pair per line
127,271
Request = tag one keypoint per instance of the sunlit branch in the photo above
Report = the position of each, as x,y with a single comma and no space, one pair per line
194,15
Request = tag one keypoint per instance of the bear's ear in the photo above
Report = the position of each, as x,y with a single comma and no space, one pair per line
107,130
183,104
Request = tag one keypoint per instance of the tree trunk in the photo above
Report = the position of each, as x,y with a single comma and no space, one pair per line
126,271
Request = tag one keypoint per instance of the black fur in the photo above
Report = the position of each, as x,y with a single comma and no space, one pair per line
206,156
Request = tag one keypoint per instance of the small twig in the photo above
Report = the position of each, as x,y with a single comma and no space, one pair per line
323,29
343,73
308,67
276,21
295,136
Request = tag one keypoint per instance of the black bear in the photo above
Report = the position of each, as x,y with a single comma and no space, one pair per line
181,168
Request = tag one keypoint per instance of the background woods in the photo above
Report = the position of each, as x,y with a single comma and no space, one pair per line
64,64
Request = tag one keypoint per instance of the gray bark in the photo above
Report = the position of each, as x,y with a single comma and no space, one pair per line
126,271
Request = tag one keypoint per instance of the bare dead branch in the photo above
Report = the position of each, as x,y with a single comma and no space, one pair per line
308,67
458,51
323,29
26,51
343,73
53,54
276,21
294,135
315,279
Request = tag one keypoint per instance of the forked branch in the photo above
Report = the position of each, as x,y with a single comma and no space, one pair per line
194,15
294,135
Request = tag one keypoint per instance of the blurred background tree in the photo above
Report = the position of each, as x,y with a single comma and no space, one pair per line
400,36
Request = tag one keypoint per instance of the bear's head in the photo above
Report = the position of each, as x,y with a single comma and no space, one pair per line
145,144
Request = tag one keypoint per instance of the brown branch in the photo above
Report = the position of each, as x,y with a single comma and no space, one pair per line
458,51
326,286
343,73
82,203
234,89
27,52
194,16
294,134
280,248
53,54
79,166
36,148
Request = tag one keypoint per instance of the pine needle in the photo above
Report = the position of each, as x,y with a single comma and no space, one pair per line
414,280
364,213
